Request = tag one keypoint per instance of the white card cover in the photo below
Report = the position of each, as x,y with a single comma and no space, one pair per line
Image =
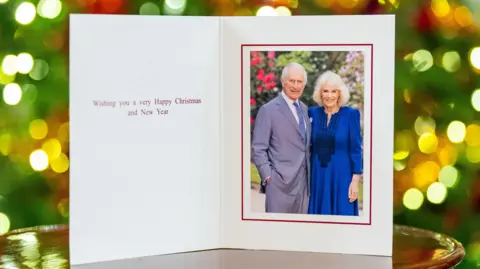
160,135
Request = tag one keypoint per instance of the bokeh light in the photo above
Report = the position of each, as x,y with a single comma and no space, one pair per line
475,100
440,8
25,13
12,94
52,147
422,60
39,160
38,129
448,176
473,154
451,61
475,57
174,7
40,69
4,223
49,9
5,143
149,8
436,193
283,11
267,11
456,131
24,63
9,65
424,124
413,199
60,164
472,137
427,143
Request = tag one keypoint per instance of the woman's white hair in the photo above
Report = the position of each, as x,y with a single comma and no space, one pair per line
332,79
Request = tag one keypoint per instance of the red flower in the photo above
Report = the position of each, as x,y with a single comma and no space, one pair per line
260,74
253,62
270,85
252,101
259,88
271,54
268,77
252,120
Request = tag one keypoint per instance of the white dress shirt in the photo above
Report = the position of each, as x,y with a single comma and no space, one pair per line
292,107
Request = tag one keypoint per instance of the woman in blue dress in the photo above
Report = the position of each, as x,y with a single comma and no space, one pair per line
336,149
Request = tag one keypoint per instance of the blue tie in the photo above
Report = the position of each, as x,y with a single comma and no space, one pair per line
301,122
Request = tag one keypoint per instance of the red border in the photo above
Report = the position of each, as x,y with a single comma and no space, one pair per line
371,131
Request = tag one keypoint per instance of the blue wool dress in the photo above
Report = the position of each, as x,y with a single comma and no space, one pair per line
336,154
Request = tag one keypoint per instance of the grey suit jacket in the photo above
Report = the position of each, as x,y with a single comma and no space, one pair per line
277,145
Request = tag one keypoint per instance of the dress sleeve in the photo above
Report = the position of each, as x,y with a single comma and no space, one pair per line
356,158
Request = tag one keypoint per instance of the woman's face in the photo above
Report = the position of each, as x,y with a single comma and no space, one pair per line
330,95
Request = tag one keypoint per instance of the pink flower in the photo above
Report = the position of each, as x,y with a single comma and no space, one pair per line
260,74
271,54
252,101
259,88
252,120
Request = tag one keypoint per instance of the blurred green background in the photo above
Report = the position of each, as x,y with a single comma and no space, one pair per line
437,104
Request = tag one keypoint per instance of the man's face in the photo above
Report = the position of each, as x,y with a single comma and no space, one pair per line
294,83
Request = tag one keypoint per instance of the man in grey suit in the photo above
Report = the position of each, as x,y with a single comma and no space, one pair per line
281,146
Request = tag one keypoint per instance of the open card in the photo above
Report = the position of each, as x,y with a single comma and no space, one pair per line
183,134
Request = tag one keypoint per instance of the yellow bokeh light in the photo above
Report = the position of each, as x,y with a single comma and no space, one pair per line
39,160
5,143
456,131
9,65
413,199
400,155
52,147
427,143
12,94
440,8
424,125
447,155
451,61
473,154
472,137
267,11
475,57
476,100
425,173
463,16
25,13
422,60
3,1
436,193
283,11
4,223
49,8
60,164
24,63
38,129
448,176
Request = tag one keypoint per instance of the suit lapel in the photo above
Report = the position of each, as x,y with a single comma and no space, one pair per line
287,112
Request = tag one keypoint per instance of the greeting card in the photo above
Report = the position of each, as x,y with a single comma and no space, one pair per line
197,133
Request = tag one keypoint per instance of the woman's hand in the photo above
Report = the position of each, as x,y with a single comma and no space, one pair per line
353,189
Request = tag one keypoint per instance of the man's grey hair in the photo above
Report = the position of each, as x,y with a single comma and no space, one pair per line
295,66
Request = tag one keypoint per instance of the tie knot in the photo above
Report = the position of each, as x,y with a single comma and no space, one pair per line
295,104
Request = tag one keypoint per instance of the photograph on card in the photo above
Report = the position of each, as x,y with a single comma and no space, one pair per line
309,135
